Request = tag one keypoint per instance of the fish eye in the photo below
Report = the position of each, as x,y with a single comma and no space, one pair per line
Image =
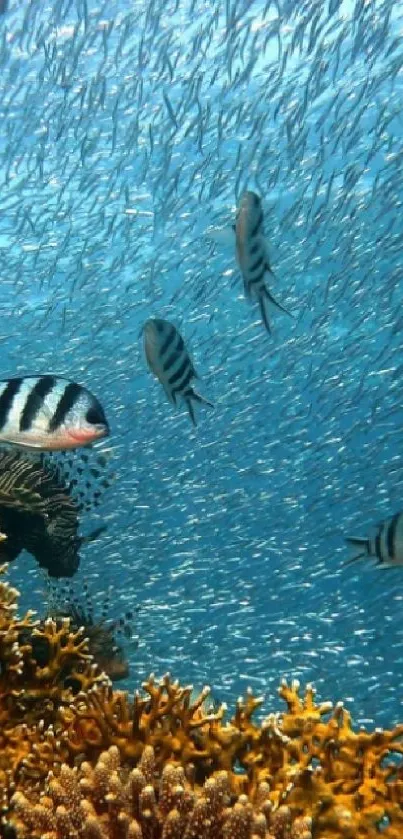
95,416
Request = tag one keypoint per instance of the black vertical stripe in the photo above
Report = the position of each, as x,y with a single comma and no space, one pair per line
66,402
259,263
378,548
255,230
175,355
255,281
179,373
391,535
7,398
168,340
35,401
181,387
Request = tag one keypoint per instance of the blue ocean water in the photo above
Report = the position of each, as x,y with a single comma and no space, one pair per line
127,131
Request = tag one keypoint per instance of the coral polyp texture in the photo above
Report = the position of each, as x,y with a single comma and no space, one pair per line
79,760
110,800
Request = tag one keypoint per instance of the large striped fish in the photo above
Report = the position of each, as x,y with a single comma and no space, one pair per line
49,413
39,511
386,546
252,256
169,360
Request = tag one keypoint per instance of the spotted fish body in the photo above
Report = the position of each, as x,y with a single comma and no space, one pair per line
252,255
386,546
49,413
170,362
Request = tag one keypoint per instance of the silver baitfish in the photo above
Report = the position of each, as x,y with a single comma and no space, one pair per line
386,546
252,255
169,360
49,413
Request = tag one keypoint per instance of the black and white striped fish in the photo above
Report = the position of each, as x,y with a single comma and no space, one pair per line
49,413
252,256
169,360
386,546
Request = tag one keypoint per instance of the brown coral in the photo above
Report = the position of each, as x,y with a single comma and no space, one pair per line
98,765
30,695
103,632
108,801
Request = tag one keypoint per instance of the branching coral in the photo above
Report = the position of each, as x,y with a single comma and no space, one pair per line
26,688
107,801
31,695
96,765
104,633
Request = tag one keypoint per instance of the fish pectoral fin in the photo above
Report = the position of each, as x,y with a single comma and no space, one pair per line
247,290
196,397
199,398
191,411
171,395
224,236
263,313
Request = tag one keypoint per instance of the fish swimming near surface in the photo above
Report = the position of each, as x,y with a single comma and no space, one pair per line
40,509
170,362
49,413
386,546
252,254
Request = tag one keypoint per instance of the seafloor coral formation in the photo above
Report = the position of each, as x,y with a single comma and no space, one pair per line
103,632
97,765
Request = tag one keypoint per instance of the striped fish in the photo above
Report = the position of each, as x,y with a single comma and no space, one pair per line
169,360
251,250
386,546
39,513
49,413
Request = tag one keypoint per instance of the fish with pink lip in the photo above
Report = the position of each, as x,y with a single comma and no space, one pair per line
49,413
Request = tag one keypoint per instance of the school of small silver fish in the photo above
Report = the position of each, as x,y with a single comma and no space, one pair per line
131,135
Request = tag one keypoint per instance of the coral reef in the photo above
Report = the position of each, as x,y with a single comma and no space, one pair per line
107,801
103,632
97,765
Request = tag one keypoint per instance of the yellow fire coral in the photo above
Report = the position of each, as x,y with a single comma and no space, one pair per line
31,695
96,765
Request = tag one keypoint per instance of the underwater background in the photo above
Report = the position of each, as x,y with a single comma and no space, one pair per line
127,131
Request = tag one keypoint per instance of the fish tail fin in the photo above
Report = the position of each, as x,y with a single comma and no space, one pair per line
357,542
275,302
196,397
263,312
